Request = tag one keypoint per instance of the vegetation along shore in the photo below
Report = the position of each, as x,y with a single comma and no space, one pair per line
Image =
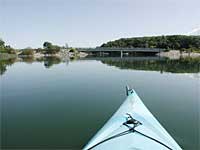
174,46
48,50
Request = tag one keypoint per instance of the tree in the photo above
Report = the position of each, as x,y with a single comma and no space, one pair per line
2,46
28,52
1,43
9,49
49,48
47,45
6,48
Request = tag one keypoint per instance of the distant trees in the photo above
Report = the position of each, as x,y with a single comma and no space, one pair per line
49,48
6,48
47,45
173,42
2,44
28,52
9,49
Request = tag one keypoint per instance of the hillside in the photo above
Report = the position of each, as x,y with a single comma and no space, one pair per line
165,42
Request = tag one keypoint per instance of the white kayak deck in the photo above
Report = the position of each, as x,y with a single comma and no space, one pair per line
133,105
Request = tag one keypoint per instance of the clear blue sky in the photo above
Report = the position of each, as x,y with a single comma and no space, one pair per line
89,23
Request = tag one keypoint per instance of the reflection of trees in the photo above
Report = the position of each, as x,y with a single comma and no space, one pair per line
28,60
50,61
5,63
184,65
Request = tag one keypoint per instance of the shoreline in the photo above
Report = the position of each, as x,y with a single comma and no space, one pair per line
172,54
176,54
6,56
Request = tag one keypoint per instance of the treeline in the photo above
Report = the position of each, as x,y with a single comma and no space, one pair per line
6,48
170,42
48,48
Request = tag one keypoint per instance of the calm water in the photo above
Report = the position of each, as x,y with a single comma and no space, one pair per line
53,104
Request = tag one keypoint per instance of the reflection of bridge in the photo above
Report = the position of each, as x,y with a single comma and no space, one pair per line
124,58
102,50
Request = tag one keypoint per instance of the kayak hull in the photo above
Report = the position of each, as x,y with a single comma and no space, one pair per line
115,135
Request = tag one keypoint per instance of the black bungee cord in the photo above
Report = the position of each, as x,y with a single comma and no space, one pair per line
131,130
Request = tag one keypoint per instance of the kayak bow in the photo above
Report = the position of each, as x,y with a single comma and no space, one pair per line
132,127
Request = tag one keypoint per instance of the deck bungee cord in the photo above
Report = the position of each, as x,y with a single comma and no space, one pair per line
135,123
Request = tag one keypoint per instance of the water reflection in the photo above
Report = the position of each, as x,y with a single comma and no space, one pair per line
47,61
183,65
5,63
50,61
28,60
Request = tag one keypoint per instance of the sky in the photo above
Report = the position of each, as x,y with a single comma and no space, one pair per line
90,23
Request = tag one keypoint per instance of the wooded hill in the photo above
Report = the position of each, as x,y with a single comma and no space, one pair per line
170,42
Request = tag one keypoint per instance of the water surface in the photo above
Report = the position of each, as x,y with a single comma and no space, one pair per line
53,104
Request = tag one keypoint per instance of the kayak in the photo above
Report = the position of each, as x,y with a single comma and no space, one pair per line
132,127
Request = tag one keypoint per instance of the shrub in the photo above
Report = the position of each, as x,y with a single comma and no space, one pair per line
27,52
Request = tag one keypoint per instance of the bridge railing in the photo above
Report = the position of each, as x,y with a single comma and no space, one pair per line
120,49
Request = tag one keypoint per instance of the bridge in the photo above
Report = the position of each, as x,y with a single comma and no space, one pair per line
141,58
102,50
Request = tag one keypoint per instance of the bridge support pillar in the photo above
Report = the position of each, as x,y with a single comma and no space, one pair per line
121,54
